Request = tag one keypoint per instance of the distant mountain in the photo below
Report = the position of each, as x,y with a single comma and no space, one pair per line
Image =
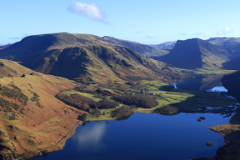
231,44
165,46
195,54
138,47
4,46
233,47
86,58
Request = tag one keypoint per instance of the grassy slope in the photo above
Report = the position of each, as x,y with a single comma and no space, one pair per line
86,57
101,64
45,125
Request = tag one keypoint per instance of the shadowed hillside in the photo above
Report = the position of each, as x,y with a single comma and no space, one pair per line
87,58
232,83
138,47
196,54
4,46
231,44
233,47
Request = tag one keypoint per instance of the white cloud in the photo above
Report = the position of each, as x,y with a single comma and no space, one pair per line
224,31
89,10
228,29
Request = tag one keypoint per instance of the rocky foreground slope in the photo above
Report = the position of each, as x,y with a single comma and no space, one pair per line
32,119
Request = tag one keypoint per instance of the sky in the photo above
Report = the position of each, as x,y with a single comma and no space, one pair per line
148,22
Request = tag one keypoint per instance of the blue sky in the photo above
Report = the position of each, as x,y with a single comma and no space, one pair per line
149,22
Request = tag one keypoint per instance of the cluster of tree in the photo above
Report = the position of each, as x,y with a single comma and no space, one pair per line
124,111
105,103
137,100
96,112
85,103
94,91
76,100
167,110
83,89
103,92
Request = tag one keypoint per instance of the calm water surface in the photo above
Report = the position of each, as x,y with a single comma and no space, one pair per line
144,136
149,136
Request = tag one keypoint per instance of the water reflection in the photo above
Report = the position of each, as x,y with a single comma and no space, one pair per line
91,136
201,82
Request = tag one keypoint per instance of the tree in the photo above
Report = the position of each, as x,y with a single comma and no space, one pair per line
96,112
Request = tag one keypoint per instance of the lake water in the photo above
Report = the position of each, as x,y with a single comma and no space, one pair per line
148,136
144,136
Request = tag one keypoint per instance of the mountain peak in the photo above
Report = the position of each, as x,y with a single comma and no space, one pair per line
196,53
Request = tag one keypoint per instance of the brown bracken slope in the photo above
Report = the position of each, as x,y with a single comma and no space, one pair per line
31,118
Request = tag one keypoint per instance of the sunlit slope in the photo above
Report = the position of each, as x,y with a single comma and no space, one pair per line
87,58
31,117
32,46
101,63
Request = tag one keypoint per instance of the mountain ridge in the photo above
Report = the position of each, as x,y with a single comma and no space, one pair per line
146,50
196,53
86,58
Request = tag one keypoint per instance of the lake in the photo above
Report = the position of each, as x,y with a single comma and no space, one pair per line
146,136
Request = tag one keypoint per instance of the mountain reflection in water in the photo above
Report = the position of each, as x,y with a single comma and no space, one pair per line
202,83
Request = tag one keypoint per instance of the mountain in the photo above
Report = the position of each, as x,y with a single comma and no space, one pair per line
86,58
165,46
138,47
232,83
233,47
4,46
32,118
229,43
196,54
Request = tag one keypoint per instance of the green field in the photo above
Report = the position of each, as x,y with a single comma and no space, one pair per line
89,95
185,100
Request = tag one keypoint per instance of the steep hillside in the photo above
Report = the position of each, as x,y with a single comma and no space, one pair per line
138,47
233,47
231,44
4,46
165,46
32,46
196,54
87,58
32,118
232,83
